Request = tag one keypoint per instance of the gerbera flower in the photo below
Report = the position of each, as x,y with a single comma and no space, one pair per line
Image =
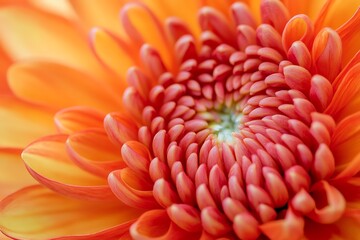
198,119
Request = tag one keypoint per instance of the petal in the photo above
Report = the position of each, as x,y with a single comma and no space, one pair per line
346,141
155,224
47,161
349,33
346,98
131,189
44,83
5,62
112,52
38,213
11,162
78,118
175,8
330,203
292,227
104,14
52,38
143,26
333,19
93,151
22,122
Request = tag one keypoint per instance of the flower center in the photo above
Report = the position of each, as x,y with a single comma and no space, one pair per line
239,130
225,122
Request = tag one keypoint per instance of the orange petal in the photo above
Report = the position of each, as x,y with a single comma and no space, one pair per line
104,14
156,225
175,8
297,28
349,188
78,118
53,85
12,165
113,52
349,33
22,122
120,128
131,189
333,19
52,38
38,213
292,227
47,161
93,151
5,62
330,203
346,98
346,140
327,53
143,26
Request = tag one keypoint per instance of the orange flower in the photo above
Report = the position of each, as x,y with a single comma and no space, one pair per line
185,119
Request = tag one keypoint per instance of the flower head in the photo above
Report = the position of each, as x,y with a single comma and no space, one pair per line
220,119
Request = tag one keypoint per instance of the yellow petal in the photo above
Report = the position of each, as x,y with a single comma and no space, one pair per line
113,52
38,213
48,162
13,175
101,14
60,86
40,35
22,122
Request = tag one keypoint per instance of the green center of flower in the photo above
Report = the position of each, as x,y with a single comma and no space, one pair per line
225,122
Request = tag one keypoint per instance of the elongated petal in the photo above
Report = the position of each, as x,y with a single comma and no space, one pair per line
101,14
93,151
37,81
144,27
345,145
292,227
78,118
112,51
46,40
346,98
155,224
349,33
38,213
47,161
11,161
21,122
131,189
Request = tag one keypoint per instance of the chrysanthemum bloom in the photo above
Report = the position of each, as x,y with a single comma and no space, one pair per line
193,119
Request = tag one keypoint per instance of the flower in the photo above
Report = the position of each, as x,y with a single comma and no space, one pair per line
217,119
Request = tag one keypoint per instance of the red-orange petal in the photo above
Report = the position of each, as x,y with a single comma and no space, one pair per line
93,151
78,118
330,203
38,213
292,227
47,161
156,225
131,189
